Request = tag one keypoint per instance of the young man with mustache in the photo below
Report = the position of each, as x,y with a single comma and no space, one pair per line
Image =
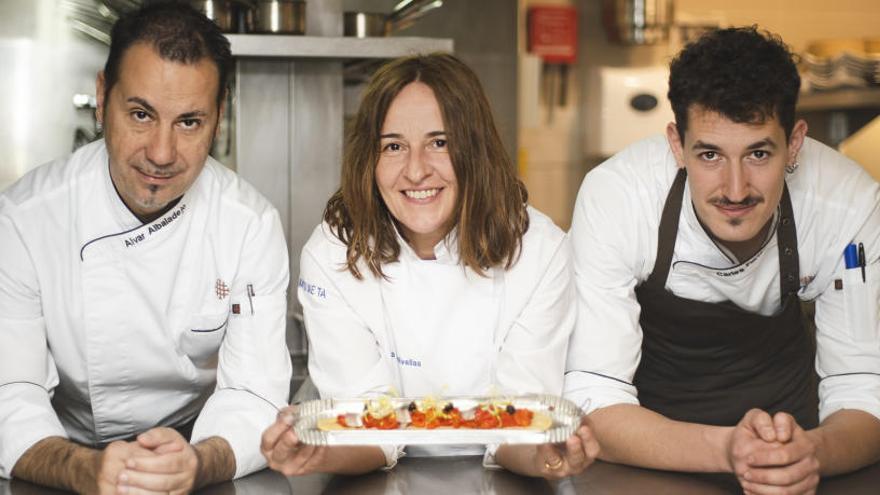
142,285
692,256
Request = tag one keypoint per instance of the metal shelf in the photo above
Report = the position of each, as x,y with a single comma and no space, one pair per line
842,99
328,47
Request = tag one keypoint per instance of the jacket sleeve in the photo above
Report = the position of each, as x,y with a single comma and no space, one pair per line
27,371
253,370
531,358
605,347
848,320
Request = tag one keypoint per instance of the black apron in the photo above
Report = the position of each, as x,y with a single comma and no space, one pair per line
710,363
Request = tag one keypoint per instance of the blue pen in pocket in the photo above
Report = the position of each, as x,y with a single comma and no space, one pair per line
857,305
851,256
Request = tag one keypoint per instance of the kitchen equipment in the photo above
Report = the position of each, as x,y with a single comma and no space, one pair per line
637,22
629,104
123,6
405,13
552,35
841,63
280,17
232,16
90,18
364,24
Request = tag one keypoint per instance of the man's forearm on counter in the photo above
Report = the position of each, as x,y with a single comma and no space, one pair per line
216,462
631,434
59,463
847,440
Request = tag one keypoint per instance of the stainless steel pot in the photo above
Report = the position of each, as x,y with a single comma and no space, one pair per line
366,24
637,22
280,17
232,16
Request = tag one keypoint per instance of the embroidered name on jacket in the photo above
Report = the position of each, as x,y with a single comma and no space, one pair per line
156,226
312,290
740,268
406,362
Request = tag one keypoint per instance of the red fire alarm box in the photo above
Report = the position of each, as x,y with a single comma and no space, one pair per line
553,33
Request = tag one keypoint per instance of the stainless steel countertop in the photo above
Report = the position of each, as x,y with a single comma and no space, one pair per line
465,475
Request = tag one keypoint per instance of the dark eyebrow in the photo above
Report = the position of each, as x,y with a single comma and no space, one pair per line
394,135
398,136
764,143
191,115
142,102
184,116
699,145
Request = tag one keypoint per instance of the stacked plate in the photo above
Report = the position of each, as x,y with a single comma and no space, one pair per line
845,63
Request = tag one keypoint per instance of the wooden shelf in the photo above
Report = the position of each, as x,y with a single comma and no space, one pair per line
327,47
842,99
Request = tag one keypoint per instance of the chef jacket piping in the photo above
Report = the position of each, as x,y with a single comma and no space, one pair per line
252,393
738,262
209,330
600,375
105,237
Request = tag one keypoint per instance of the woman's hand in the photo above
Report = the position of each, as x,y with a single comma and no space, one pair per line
285,453
556,461
552,461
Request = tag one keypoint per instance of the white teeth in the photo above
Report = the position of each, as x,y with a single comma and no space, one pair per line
423,194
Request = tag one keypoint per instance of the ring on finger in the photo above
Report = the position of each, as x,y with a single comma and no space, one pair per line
554,465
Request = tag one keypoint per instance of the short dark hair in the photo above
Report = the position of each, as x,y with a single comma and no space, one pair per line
744,74
178,33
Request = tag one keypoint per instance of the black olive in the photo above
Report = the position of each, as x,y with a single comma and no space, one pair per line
510,409
412,407
448,408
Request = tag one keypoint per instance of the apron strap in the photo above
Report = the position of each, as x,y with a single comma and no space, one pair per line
786,232
668,232
786,235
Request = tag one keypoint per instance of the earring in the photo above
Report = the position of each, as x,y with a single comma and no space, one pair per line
790,168
99,126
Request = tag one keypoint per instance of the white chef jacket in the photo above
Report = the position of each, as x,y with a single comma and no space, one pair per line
109,327
435,327
614,242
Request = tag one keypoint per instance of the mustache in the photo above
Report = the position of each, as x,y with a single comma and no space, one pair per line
744,203
155,171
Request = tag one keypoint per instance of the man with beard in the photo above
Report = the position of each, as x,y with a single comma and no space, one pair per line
142,285
692,256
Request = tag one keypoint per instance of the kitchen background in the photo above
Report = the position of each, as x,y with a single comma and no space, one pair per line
292,93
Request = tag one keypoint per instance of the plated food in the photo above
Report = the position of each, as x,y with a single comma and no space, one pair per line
452,420
431,414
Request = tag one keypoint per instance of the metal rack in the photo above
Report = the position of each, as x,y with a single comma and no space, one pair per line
288,124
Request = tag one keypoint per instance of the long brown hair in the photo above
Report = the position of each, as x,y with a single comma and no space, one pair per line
490,209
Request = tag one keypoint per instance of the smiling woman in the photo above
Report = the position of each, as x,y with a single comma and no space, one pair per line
415,175
437,278
425,132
